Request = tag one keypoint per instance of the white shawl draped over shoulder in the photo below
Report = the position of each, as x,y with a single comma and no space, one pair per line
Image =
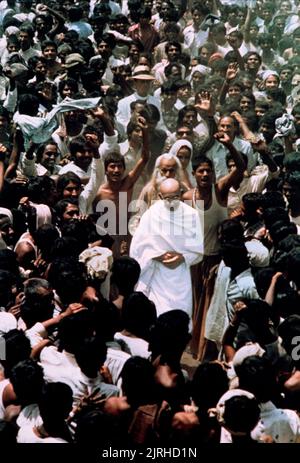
40,129
161,230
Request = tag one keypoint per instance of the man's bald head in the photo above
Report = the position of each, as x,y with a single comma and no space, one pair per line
170,187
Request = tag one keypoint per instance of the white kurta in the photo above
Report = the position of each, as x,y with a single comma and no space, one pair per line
161,230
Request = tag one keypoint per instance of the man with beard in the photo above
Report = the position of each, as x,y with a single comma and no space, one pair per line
167,242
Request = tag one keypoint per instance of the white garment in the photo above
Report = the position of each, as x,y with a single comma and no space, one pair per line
133,346
226,293
193,40
124,112
115,361
282,425
89,192
62,367
7,322
40,129
3,385
26,435
29,416
161,230
217,154
253,184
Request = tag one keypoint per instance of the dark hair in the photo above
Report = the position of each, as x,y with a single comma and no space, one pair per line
209,383
68,278
202,160
28,104
231,229
143,391
17,348
125,274
27,379
257,375
173,44
63,181
138,315
113,157
48,43
41,148
68,82
39,189
251,53
241,406
277,94
273,214
62,205
55,405
90,355
170,335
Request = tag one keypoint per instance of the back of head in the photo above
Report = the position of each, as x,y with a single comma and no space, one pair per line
28,105
170,335
90,355
257,375
68,277
27,378
125,274
138,383
55,403
273,214
74,329
231,229
209,383
237,407
138,315
17,348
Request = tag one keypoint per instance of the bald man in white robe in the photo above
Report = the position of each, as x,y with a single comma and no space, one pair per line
167,242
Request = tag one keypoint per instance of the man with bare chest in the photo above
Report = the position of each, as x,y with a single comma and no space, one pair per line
113,197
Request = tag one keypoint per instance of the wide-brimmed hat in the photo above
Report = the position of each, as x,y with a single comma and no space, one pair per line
142,73
73,60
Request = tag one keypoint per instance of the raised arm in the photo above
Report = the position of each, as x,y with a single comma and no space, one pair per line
261,147
231,74
236,175
138,168
15,154
247,25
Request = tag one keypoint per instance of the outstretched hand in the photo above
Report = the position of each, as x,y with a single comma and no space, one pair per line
232,71
205,103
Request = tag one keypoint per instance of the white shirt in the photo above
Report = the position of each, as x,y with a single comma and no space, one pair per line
218,152
132,345
124,112
26,435
62,367
193,40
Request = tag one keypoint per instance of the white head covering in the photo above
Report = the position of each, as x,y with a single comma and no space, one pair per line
251,348
98,261
7,322
7,212
43,214
268,73
220,408
174,150
204,70
167,156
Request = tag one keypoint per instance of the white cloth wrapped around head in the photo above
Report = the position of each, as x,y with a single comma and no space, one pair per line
221,405
98,261
284,126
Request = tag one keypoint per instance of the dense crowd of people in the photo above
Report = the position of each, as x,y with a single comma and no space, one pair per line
149,209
